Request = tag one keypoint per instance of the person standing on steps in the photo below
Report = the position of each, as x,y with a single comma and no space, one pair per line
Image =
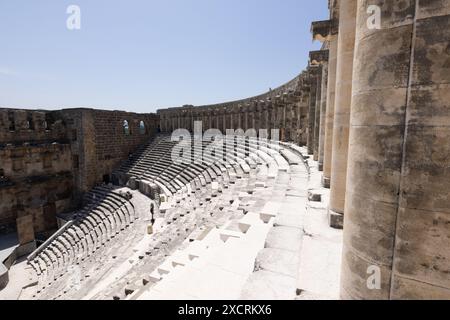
152,212
152,220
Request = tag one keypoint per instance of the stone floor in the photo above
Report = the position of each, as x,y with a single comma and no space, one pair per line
320,258
21,277
302,254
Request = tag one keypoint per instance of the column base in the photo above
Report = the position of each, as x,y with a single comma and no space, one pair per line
336,220
326,182
320,167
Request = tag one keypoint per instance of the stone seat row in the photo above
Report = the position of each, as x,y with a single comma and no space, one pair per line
175,176
234,169
107,214
211,244
204,199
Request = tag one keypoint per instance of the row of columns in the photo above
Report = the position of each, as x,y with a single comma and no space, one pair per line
382,142
372,109
285,111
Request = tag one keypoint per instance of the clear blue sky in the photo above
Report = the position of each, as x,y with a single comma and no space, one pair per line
140,55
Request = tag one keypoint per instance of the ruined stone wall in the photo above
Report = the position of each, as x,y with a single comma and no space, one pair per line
35,172
100,141
48,159
112,144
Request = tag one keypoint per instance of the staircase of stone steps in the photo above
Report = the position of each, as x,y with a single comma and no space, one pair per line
202,214
140,278
108,214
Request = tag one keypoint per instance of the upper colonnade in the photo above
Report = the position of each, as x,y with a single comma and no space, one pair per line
284,108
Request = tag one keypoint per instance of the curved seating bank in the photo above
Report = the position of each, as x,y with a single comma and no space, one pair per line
225,196
371,112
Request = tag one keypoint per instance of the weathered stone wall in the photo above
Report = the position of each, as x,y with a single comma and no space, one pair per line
112,144
19,126
35,172
48,159
100,143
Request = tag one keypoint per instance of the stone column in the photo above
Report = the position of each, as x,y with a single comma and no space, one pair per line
231,124
210,119
317,113
239,118
224,120
265,116
397,202
329,119
323,111
320,58
270,115
312,109
245,127
304,111
346,45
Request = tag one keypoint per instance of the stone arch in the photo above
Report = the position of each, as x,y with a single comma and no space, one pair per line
126,127
142,128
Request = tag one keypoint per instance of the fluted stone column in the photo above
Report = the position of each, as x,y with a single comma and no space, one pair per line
346,45
397,202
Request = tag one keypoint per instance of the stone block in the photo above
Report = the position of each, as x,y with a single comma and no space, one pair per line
336,220
25,229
